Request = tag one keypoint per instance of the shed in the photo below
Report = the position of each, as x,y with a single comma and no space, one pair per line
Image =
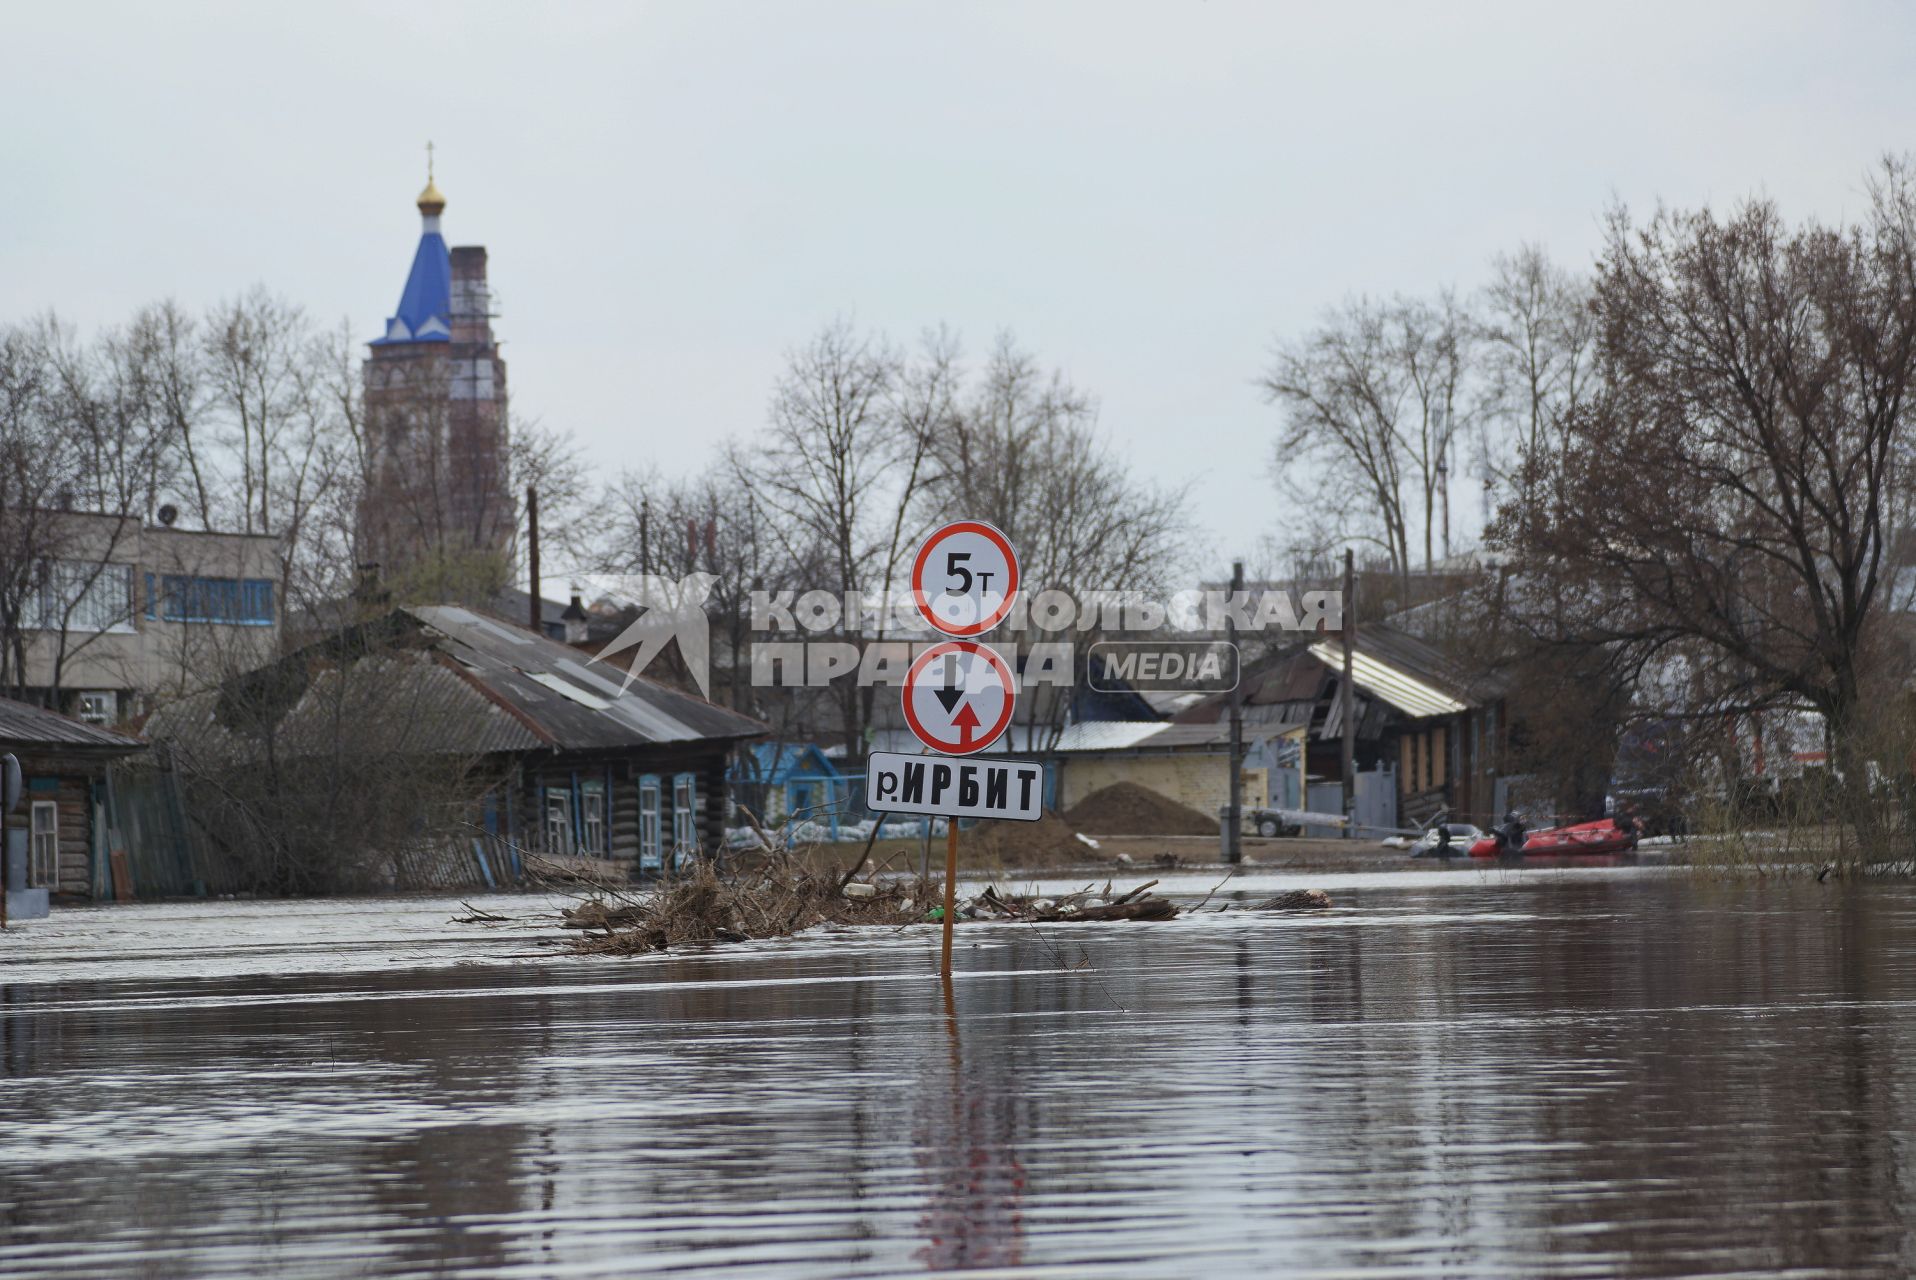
790,780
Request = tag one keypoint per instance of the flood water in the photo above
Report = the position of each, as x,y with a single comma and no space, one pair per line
1455,1073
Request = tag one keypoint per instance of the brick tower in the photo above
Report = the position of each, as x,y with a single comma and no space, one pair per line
440,485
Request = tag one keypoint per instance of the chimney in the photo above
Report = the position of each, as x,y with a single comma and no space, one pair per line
575,619
536,622
471,297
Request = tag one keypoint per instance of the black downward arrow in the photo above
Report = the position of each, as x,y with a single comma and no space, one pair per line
951,691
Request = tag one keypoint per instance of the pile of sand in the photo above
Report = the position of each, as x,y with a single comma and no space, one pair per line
1127,809
1046,842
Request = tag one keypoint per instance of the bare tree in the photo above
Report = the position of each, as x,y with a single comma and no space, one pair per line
828,469
1343,390
1433,343
254,347
1024,453
1730,493
1536,337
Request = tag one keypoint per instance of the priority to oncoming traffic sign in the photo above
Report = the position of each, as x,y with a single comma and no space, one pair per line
933,785
965,578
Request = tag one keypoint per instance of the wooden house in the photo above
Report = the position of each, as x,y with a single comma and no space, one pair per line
63,763
590,763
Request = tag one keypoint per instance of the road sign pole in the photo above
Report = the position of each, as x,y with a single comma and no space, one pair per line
952,585
951,894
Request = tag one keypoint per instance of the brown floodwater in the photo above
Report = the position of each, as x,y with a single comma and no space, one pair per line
1460,1073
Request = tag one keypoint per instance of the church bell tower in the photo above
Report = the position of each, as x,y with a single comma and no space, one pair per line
440,485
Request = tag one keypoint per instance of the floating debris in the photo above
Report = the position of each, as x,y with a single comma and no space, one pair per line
1297,900
705,907
779,901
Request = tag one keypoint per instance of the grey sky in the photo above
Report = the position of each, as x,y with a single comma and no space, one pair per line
674,194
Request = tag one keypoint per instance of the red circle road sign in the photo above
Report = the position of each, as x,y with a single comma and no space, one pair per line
959,696
965,578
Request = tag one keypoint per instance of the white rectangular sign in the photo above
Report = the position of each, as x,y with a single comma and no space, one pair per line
955,786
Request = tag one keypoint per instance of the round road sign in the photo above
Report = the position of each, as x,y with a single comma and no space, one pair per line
958,697
965,578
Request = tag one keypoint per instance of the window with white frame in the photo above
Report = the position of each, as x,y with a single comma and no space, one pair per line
96,706
649,851
75,595
685,815
43,855
592,817
558,820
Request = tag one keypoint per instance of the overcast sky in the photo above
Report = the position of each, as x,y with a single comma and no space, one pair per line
673,195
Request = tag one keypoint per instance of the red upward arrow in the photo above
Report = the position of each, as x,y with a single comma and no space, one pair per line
965,721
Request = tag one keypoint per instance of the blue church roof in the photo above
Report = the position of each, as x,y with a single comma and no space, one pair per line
425,308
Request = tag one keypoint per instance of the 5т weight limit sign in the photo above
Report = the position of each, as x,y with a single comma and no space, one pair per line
965,578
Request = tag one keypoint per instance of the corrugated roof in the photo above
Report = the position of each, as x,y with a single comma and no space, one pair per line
451,681
556,688
1156,735
25,727
390,703
1106,735
1400,669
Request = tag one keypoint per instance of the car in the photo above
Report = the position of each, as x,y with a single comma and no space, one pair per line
1462,836
1264,822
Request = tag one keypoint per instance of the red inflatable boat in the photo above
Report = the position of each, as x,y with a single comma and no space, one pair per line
1584,839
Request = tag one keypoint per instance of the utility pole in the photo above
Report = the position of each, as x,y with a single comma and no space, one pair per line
645,535
1234,819
9,797
532,553
1346,693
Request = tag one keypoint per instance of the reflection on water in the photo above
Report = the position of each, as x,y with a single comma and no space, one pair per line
1467,1075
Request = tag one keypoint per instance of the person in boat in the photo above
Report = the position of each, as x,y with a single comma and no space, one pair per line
1511,834
1442,848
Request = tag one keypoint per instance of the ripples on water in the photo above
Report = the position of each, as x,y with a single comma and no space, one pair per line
1452,1074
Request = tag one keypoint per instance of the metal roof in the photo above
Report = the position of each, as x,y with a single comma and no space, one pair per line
25,727
1156,735
425,308
1106,735
569,700
409,703
443,679
1397,668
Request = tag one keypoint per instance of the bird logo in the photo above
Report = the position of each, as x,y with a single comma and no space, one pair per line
668,610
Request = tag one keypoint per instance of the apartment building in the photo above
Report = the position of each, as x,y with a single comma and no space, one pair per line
121,613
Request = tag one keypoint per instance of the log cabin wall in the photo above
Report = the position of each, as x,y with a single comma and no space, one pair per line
622,775
67,782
